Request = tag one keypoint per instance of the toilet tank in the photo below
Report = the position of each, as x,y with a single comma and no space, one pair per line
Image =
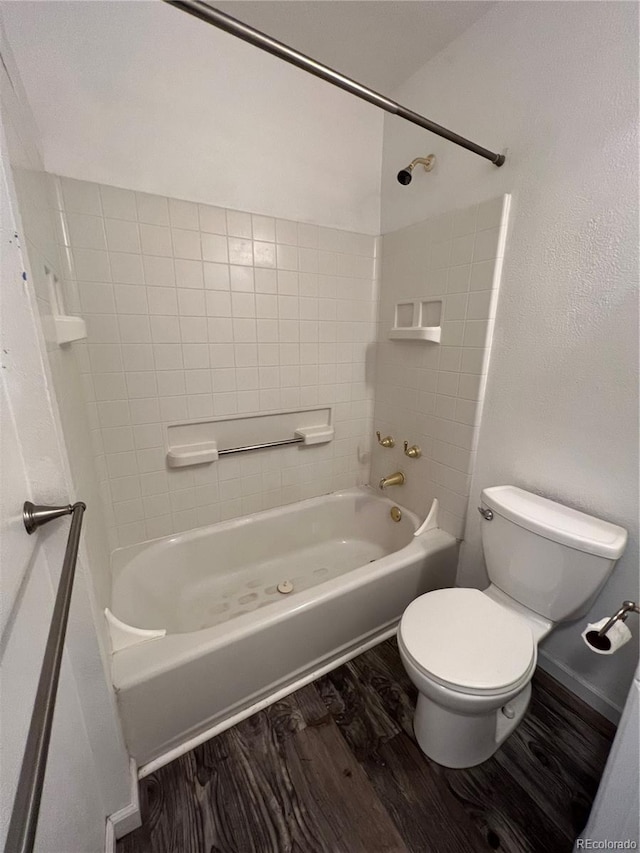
550,558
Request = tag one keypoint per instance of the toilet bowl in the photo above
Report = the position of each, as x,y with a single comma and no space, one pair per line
472,654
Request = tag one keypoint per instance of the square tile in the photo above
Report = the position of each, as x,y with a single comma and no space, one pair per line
152,209
122,236
481,305
264,228
118,203
287,257
487,245
239,224
476,332
240,251
96,298
81,197
216,276
130,299
168,356
195,355
462,250
193,330
243,305
199,381
214,248
218,303
171,383
265,281
137,357
165,330
241,279
141,384
126,268
91,265
134,329
287,232
212,219
264,254
191,302
244,330
158,272
156,240
183,214
162,300
86,232
186,244
189,273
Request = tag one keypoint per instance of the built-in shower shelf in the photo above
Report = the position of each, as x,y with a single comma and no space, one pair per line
419,333
69,329
417,320
61,327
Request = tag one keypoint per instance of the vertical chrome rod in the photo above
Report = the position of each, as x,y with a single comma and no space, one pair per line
26,805
222,21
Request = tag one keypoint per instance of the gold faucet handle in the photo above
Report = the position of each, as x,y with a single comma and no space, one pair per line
388,441
412,452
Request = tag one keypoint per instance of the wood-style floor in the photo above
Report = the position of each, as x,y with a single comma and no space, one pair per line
334,768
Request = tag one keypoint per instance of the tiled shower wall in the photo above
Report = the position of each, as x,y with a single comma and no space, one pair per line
429,394
195,312
34,190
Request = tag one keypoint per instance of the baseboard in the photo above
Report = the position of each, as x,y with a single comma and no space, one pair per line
126,819
580,687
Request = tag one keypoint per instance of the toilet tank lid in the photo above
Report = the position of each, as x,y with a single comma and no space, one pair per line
557,522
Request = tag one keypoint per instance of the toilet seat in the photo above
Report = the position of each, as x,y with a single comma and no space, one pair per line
468,643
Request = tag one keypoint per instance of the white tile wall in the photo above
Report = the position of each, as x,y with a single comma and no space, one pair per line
196,312
430,394
36,199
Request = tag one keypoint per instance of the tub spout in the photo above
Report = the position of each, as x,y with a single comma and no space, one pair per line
396,479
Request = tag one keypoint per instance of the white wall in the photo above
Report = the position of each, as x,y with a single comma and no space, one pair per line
195,312
557,84
143,96
431,394
88,774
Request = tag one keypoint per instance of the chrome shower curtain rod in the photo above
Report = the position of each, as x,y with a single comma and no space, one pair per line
205,12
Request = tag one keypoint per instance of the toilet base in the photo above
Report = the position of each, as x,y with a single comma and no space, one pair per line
463,740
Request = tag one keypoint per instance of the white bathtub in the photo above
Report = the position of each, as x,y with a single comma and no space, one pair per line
234,643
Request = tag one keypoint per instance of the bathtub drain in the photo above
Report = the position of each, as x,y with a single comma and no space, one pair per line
284,587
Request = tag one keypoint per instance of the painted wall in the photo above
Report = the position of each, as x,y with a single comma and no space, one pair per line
88,772
197,312
557,84
431,394
143,96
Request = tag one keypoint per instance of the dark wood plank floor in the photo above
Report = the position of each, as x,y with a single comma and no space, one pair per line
334,768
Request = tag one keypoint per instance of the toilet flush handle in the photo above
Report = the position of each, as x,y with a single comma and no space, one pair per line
485,513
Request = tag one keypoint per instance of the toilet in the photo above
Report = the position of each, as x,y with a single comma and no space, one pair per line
472,653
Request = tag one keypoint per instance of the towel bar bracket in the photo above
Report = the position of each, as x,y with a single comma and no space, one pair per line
35,515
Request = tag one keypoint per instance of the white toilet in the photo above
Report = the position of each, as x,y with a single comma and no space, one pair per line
472,654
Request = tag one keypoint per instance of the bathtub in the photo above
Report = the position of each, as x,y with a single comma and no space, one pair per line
234,643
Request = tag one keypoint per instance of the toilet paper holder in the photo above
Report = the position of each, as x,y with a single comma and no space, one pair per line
620,615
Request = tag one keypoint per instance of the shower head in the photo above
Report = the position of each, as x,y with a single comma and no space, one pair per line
404,175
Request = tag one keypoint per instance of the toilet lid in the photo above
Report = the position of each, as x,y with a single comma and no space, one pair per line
464,639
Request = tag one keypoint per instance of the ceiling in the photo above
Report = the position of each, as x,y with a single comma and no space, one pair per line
378,42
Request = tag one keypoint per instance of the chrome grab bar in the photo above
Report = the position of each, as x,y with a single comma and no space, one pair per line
26,805
267,444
